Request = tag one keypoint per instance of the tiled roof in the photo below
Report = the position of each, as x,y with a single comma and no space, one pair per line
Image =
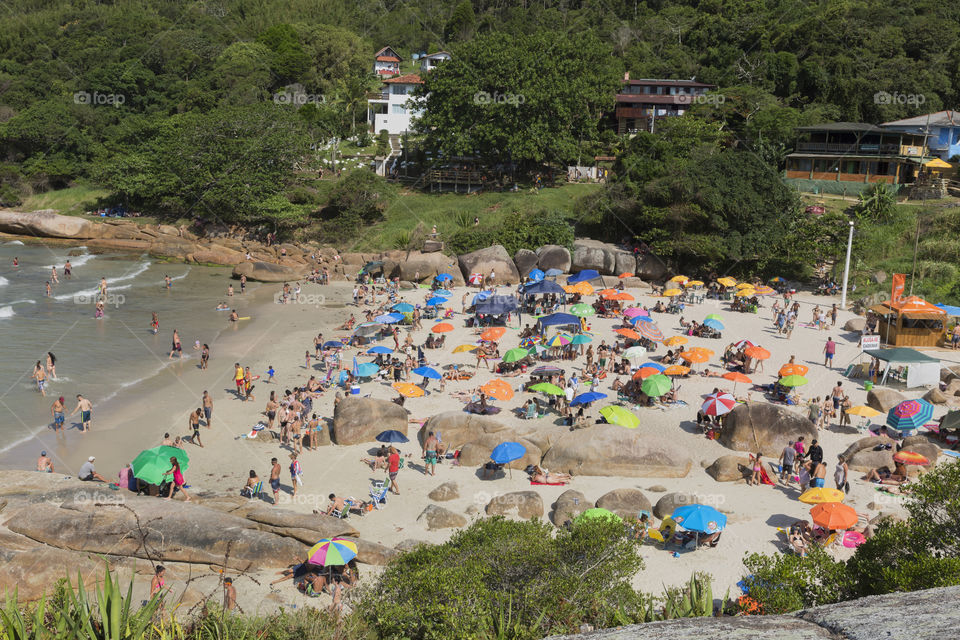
410,78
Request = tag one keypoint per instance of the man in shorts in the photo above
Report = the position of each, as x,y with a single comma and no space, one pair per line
829,350
238,377
85,408
430,454
207,403
275,480
787,458
88,473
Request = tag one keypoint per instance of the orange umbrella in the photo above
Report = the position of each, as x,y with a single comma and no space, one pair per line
910,457
498,389
628,333
834,515
709,352
493,334
623,295
737,377
794,370
608,292
675,341
694,356
645,372
625,274
443,327
583,288
757,353
408,389
676,370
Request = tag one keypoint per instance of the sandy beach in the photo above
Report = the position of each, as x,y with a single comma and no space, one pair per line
278,335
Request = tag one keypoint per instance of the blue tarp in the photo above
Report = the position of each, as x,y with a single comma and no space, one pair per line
544,286
535,276
483,295
583,276
559,319
951,310
496,305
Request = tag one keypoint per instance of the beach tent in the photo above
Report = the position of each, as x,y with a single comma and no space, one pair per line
921,369
497,305
542,287
559,319
953,312
583,276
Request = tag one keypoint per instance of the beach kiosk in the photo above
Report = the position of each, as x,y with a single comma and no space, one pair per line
911,322
909,366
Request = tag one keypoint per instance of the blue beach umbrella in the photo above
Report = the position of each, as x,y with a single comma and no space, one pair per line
587,398
443,277
653,365
508,452
378,350
402,307
436,301
713,324
391,436
700,518
583,276
389,318
443,293
536,275
427,372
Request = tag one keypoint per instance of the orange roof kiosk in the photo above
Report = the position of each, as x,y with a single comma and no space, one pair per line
911,322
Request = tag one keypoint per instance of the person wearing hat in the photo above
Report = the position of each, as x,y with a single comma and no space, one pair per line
44,463
88,473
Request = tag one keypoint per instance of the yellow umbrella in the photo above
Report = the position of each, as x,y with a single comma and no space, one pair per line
678,279
727,282
465,347
746,293
863,411
744,285
675,341
822,496
694,283
669,293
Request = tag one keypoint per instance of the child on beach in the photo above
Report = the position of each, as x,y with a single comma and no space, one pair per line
270,372
757,467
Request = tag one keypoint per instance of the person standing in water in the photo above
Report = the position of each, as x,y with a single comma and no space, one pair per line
103,286
52,365
48,289
68,269
41,377
155,323
56,410
85,408
243,284
53,275
168,281
176,348
204,356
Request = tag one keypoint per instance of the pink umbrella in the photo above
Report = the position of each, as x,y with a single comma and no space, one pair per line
633,312
476,278
718,404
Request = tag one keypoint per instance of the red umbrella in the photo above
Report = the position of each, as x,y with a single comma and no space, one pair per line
476,278
717,404
910,457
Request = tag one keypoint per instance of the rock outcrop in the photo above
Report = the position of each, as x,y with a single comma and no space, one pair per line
553,256
357,420
609,450
568,506
267,272
458,428
626,503
46,224
764,427
491,259
435,517
730,468
522,504
444,492
883,399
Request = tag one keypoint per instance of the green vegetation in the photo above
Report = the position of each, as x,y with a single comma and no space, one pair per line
921,553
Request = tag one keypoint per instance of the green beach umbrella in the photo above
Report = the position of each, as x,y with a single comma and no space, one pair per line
620,416
515,354
656,385
598,513
793,381
151,464
713,316
546,387
581,339
582,310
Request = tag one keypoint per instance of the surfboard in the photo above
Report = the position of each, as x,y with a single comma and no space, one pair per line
244,318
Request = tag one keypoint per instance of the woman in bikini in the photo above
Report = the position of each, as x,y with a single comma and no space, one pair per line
178,480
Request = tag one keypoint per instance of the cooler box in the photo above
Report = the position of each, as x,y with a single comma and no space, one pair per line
355,390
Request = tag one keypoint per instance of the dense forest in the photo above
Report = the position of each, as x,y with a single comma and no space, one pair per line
178,107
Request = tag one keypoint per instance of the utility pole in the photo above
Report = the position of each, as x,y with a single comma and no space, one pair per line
846,268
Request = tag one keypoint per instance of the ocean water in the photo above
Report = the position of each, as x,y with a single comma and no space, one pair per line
95,357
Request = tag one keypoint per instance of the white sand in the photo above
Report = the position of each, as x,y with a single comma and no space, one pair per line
279,334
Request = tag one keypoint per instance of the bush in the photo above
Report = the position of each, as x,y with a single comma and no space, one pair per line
511,579
515,231
783,583
359,197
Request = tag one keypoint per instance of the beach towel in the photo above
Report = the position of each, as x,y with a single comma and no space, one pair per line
764,478
549,484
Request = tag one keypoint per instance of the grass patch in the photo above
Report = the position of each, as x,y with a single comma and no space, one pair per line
72,201
451,211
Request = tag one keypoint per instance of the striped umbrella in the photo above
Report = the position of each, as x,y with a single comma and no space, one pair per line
475,278
558,340
764,290
331,552
910,415
718,404
649,330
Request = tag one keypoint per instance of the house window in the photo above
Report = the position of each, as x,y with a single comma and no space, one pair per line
851,166
398,110
399,90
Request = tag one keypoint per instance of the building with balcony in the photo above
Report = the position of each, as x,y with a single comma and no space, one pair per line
393,107
941,130
386,62
430,61
846,157
641,102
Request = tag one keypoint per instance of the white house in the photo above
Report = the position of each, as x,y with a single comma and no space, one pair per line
386,62
392,108
429,62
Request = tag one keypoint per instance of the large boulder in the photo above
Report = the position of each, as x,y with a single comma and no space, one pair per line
935,396
446,491
568,506
267,272
407,264
554,256
435,517
373,553
883,399
764,427
215,254
494,259
525,260
523,504
357,420
669,503
457,428
855,324
609,450
308,528
651,268
46,224
730,468
626,503
862,456
592,254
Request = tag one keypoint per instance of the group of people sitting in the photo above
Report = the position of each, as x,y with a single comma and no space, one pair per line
698,329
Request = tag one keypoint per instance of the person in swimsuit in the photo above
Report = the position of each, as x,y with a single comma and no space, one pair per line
155,323
178,480
238,379
157,583
195,426
67,269
168,281
103,286
84,407
176,347
757,467
275,480
53,275
271,409
207,402
52,365
204,356
430,454
56,410
44,463
248,384
41,377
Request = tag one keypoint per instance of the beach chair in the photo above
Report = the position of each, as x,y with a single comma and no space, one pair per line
256,491
531,411
656,537
342,514
378,496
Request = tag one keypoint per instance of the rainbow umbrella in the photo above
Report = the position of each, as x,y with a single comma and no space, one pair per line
648,330
717,404
620,416
764,290
331,552
910,415
558,340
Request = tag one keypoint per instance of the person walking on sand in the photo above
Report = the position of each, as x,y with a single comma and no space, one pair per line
393,467
829,350
275,480
296,473
787,458
85,408
56,411
207,403
178,480
757,468
841,473
430,454
239,380
41,377
195,426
